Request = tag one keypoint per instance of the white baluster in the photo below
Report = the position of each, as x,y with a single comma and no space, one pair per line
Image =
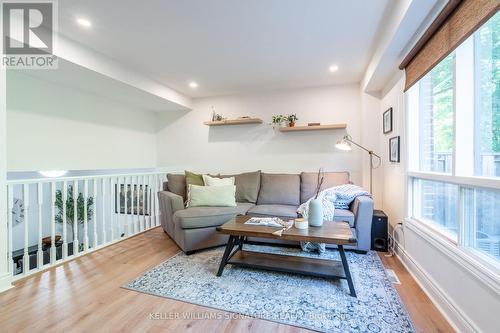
112,196
65,221
53,257
144,226
103,200
39,253
10,205
26,256
125,217
157,203
137,204
76,242
132,205
152,204
148,196
85,216
94,217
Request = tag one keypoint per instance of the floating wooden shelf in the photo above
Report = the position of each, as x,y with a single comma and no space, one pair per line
313,128
239,121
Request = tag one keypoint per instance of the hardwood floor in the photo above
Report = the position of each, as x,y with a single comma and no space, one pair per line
84,295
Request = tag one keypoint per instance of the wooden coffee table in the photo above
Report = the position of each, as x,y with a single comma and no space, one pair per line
338,233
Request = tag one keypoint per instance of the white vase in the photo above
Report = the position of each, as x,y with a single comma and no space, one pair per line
315,214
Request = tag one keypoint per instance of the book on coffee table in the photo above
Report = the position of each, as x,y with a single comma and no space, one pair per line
266,221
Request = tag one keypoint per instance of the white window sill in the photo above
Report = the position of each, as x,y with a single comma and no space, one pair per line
485,269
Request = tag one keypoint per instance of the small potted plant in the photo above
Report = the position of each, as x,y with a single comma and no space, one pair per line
278,120
292,118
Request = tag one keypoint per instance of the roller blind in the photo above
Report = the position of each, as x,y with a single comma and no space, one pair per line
456,22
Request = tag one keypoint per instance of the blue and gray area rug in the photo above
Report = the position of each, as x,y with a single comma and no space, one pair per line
313,303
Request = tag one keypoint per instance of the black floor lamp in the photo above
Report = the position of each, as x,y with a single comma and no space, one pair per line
345,144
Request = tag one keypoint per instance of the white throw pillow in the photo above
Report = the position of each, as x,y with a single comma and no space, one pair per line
212,181
222,196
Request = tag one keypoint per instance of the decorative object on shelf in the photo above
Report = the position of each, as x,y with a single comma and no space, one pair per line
345,144
47,241
315,215
239,121
17,211
313,128
394,149
278,120
215,115
313,124
80,207
292,118
387,121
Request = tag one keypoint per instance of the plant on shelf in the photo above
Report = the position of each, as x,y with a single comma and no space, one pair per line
80,209
291,118
278,120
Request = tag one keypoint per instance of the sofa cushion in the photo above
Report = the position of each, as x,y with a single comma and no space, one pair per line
247,186
203,217
309,181
274,210
344,215
279,189
177,184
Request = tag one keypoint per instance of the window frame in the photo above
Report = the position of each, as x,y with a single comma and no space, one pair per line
462,175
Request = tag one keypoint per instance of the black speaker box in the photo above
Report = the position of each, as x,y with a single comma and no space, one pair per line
379,231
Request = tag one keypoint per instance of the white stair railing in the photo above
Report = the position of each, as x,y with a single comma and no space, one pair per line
52,220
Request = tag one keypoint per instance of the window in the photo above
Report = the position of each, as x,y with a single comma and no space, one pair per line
454,144
437,204
436,117
481,216
487,110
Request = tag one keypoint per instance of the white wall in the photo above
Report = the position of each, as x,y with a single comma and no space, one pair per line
185,143
464,293
4,274
50,126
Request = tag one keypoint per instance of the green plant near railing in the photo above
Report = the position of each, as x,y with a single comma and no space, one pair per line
70,211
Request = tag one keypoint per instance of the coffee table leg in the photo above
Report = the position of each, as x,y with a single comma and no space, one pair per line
227,251
241,241
346,270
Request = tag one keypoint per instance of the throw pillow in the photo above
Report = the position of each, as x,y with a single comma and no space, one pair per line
213,181
193,179
247,186
222,196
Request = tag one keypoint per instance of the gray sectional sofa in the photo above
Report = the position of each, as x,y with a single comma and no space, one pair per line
257,194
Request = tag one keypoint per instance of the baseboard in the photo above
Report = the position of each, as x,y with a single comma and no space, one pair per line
5,282
452,313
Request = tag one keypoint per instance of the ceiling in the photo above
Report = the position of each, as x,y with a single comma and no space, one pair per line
72,75
230,46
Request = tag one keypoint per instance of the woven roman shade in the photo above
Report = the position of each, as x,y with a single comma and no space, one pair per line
456,22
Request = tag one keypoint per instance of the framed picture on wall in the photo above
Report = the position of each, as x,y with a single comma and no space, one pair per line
394,149
387,118
131,194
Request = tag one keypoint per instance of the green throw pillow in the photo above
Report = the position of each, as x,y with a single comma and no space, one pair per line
193,179
221,196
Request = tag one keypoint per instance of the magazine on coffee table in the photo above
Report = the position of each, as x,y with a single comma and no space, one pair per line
266,221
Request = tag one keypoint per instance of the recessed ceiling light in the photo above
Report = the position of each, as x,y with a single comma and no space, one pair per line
193,84
84,22
334,68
